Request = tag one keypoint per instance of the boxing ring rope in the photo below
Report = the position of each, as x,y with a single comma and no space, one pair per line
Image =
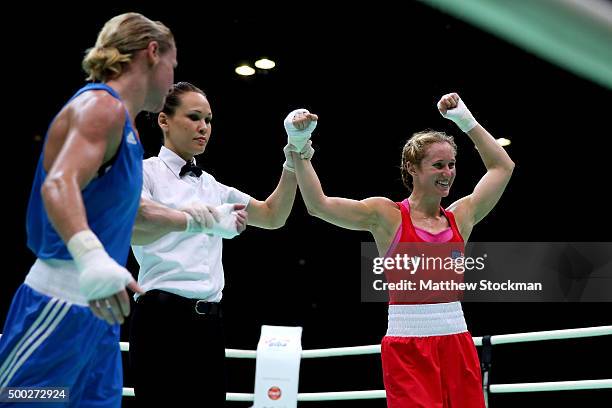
380,394
375,349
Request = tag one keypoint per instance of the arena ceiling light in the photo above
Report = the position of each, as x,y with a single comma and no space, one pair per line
244,70
265,63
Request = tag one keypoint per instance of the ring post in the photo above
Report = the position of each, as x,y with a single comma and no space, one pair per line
277,367
485,366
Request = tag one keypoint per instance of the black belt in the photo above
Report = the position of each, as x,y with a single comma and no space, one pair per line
200,307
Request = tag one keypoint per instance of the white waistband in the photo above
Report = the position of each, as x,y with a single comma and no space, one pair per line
57,278
437,319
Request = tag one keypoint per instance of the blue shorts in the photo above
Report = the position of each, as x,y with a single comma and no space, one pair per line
50,342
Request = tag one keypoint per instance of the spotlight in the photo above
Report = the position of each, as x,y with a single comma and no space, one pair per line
244,70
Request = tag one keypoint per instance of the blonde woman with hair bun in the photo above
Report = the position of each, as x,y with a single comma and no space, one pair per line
62,329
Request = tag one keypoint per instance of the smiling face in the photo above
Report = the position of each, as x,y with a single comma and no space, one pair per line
435,174
428,163
187,129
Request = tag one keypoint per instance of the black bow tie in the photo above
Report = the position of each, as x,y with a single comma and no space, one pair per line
190,167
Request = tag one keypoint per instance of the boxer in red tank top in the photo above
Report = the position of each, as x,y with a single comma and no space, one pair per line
429,358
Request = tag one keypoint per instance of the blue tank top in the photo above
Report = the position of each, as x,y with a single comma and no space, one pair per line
111,199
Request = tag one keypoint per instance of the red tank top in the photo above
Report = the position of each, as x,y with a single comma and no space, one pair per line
411,244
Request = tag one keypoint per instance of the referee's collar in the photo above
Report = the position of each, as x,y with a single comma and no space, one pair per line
172,160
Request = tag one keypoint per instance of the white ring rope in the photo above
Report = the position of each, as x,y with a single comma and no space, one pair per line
551,386
379,394
307,396
547,335
374,349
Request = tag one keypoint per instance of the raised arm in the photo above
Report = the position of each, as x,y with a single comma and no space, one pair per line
473,208
361,215
272,213
364,215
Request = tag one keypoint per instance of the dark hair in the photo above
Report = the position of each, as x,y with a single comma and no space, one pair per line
173,99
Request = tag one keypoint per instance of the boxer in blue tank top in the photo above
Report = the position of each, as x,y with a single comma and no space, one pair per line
62,329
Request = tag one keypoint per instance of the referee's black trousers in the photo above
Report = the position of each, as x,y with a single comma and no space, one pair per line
177,352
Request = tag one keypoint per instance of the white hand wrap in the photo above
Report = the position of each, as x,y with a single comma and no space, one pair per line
225,228
100,276
200,217
461,115
297,137
306,154
288,164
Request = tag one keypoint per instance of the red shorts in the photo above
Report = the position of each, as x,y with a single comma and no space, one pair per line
432,372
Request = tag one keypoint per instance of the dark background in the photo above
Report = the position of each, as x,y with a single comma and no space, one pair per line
373,73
